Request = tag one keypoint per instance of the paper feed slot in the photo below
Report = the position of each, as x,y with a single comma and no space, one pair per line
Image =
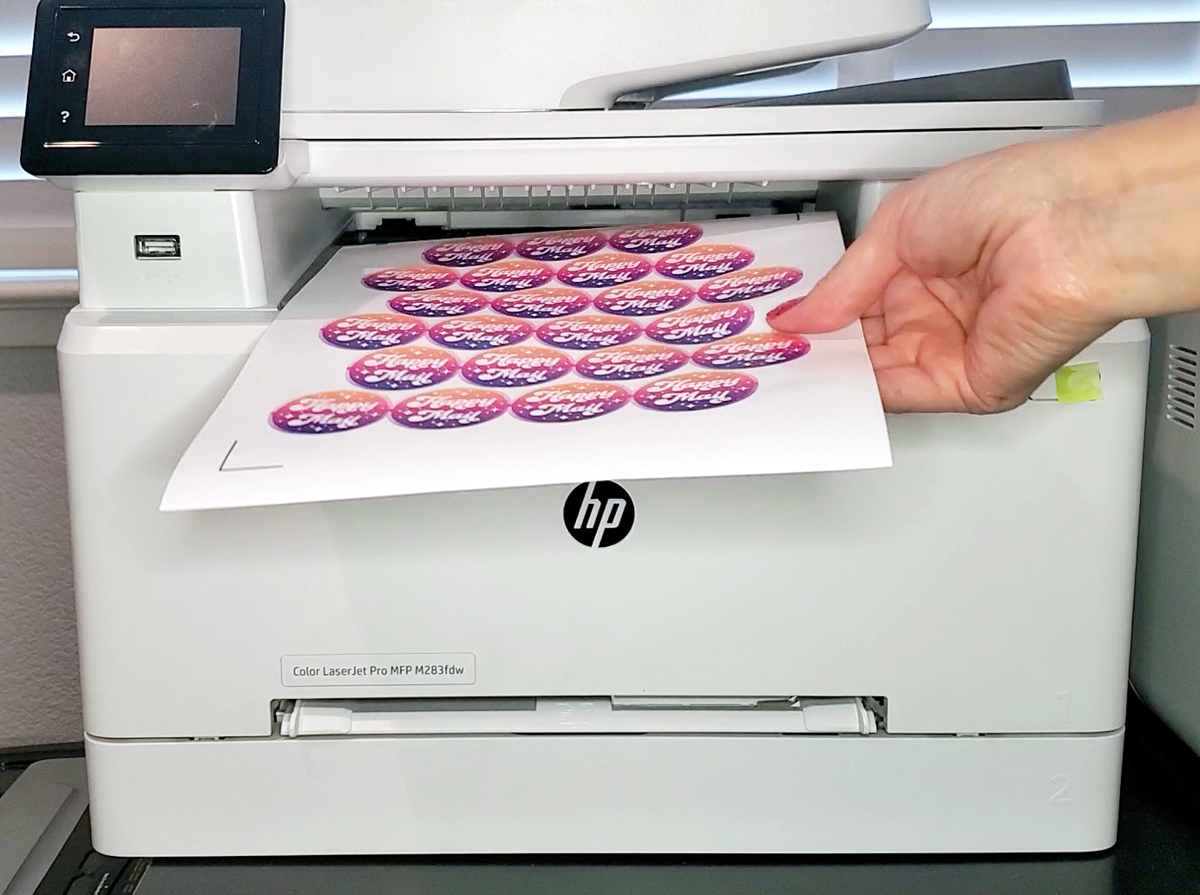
602,715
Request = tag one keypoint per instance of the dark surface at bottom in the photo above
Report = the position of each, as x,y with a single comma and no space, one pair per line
1158,851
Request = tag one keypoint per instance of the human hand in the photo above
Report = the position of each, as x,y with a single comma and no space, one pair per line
976,282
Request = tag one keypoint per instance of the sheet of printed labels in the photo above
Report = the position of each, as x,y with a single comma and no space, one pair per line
506,361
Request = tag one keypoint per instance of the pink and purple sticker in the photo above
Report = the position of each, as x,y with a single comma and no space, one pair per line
468,252
520,365
630,362
542,303
644,299
588,333
603,271
509,276
570,402
697,326
409,367
696,391
650,239
563,246
438,303
324,412
414,278
449,408
480,332
752,350
704,261
370,332
749,283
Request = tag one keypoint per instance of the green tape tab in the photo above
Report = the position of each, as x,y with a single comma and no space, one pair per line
1078,383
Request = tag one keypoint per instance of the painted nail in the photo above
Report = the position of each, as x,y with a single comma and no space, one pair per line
783,308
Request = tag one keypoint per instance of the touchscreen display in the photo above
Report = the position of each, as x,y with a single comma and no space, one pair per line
163,76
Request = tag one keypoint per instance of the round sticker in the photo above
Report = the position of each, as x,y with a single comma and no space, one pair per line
547,301
696,391
468,252
449,408
521,365
752,350
438,303
415,278
602,271
749,283
588,333
402,368
704,261
478,333
650,239
325,412
508,276
561,246
644,299
696,326
569,402
367,332
630,362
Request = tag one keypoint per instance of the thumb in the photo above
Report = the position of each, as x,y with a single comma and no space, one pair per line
856,283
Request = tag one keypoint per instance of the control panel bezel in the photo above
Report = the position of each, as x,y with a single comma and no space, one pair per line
58,142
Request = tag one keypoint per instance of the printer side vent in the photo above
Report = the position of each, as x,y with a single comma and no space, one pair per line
1182,370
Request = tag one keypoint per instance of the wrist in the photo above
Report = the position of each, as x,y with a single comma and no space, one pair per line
1125,198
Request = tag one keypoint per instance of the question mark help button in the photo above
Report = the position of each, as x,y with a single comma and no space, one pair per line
65,115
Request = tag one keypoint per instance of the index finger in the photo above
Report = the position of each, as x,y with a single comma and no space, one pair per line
848,291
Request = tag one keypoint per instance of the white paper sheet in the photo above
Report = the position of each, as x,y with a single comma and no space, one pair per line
730,414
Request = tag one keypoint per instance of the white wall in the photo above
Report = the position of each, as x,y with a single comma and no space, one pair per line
39,688
1140,67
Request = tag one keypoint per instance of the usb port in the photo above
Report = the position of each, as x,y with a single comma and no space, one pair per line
156,247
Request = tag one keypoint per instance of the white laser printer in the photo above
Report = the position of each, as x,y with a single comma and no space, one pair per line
927,658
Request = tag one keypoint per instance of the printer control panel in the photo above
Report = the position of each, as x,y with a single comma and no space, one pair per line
154,87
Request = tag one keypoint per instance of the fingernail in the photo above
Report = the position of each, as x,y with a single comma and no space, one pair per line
783,308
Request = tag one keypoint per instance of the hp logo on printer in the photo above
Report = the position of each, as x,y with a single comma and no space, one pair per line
598,514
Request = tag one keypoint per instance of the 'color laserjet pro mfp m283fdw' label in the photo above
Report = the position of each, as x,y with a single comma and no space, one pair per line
379,670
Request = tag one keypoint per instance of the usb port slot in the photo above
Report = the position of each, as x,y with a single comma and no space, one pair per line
156,247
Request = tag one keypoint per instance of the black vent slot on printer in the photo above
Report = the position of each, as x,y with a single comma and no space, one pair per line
1049,80
1182,363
